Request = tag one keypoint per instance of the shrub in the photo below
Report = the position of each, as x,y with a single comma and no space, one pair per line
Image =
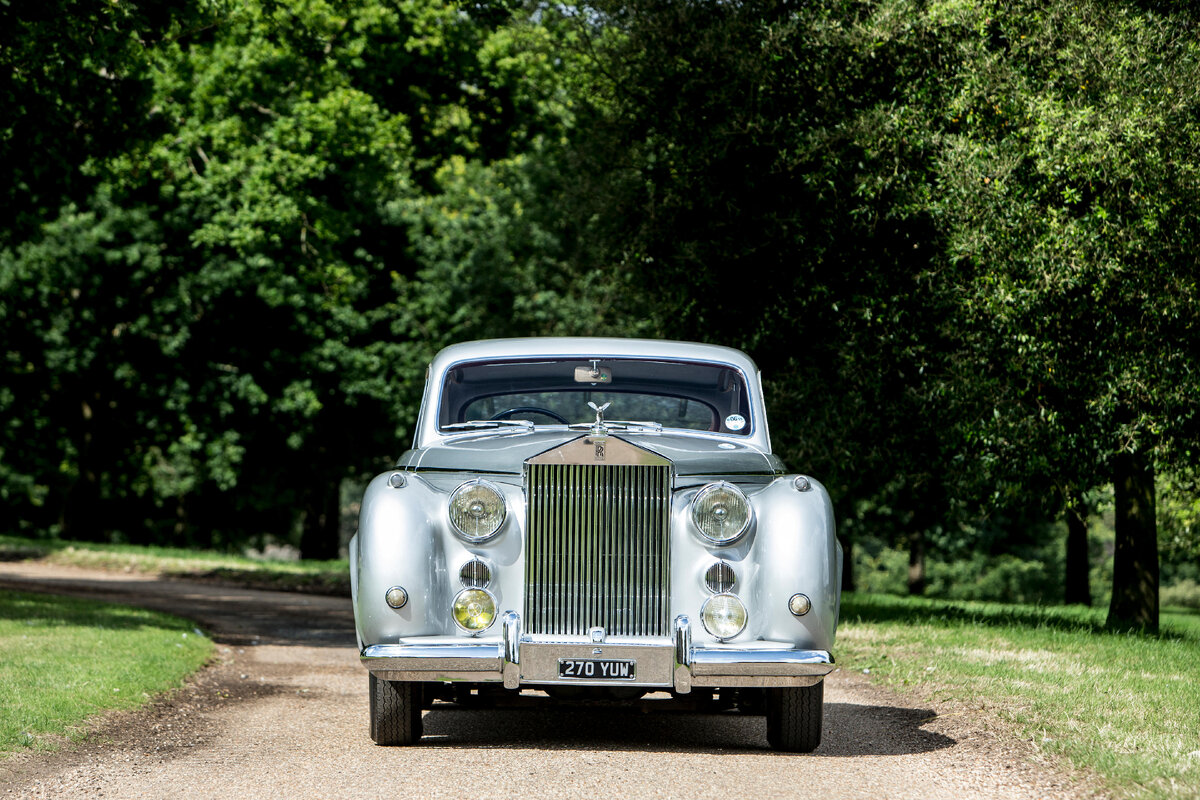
880,570
1004,578
1185,593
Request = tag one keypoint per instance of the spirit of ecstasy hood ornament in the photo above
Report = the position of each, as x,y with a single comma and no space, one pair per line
599,428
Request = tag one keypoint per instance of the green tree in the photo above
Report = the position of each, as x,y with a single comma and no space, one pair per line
74,81
233,304
747,164
951,235
1065,199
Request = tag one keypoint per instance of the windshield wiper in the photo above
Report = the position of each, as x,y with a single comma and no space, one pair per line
490,423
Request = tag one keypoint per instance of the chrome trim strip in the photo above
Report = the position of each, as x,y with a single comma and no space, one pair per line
706,661
782,667
433,662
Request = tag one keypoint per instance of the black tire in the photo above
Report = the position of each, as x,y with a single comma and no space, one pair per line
395,711
794,717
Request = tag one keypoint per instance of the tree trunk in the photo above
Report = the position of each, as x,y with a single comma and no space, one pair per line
916,563
181,519
1135,560
1077,587
322,515
80,516
847,565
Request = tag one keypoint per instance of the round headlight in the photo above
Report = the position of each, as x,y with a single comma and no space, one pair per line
474,610
721,512
723,615
477,510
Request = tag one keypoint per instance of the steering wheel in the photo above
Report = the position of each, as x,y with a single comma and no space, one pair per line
508,412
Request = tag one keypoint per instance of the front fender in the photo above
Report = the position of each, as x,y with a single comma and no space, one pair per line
404,539
397,545
790,548
798,552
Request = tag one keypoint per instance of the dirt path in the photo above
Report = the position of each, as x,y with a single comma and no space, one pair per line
283,714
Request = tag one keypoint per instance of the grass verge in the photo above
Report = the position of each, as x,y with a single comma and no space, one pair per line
64,660
1125,706
319,577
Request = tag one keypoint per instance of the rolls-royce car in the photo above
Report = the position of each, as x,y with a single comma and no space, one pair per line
590,521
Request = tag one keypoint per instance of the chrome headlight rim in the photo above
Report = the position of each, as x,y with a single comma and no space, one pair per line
724,597
477,538
473,631
709,489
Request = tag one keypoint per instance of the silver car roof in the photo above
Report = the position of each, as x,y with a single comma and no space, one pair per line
589,347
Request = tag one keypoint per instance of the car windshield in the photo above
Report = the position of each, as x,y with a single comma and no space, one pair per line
671,394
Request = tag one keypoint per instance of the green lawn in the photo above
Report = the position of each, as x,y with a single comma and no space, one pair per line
63,660
1124,705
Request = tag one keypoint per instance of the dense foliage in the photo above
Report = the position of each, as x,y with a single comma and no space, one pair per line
957,238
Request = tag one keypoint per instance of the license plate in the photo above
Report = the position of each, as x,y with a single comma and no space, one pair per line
603,669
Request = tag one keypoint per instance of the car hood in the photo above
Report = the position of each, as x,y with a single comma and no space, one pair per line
505,452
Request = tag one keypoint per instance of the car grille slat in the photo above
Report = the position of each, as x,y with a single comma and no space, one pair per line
598,553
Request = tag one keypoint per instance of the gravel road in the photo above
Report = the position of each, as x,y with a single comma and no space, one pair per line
283,714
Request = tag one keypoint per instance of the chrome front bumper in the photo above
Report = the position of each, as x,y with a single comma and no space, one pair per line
662,663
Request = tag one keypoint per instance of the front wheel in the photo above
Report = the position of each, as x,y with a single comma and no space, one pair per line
395,711
794,717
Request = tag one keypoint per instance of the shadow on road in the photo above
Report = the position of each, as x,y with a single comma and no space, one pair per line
233,615
849,730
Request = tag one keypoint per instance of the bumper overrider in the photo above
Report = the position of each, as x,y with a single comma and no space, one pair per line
654,662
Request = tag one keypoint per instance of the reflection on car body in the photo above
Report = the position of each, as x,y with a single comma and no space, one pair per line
600,519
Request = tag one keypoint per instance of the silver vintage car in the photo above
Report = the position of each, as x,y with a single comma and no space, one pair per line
597,520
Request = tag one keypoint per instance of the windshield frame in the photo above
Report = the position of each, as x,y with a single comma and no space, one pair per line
425,433
438,397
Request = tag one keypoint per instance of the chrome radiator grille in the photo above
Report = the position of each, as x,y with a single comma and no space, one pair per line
598,549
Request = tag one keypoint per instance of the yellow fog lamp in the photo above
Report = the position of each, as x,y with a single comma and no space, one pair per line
474,610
